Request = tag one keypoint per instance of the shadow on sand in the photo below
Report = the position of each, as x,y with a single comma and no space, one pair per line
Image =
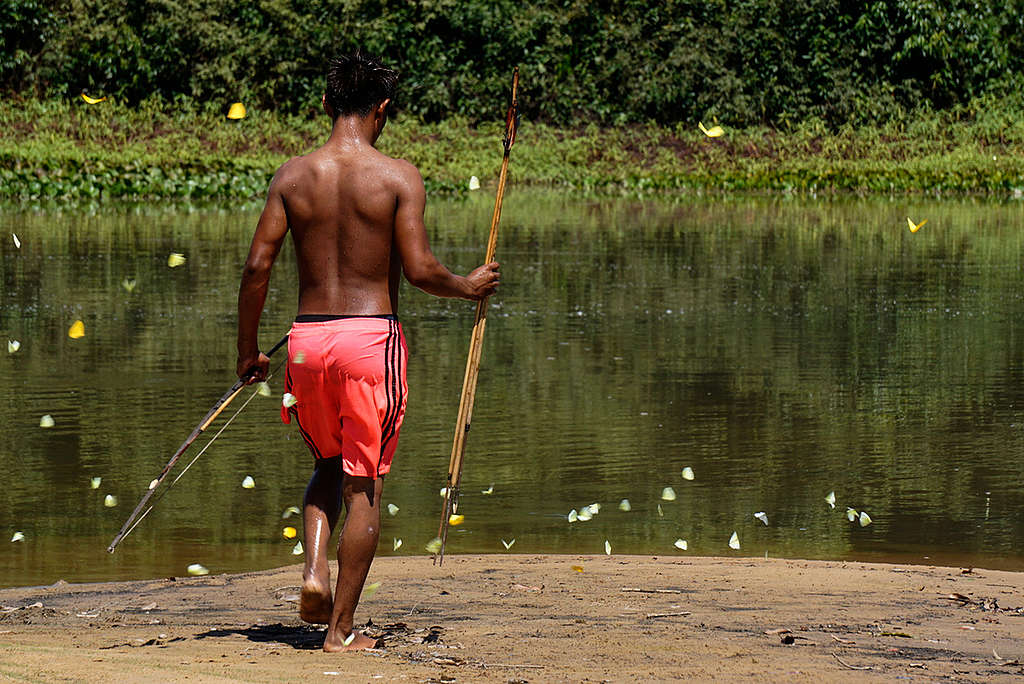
302,637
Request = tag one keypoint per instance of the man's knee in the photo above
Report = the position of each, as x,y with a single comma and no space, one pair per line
358,489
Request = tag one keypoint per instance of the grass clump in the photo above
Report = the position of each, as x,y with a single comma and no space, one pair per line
68,150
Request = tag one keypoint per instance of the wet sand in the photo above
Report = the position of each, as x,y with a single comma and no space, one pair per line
513,618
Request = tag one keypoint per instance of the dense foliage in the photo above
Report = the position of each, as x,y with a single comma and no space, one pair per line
62,150
744,61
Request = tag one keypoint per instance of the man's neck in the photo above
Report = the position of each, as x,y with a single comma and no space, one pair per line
353,131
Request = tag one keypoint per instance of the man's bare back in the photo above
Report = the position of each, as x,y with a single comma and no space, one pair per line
356,218
341,205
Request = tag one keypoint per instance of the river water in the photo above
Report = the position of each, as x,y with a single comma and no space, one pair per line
781,348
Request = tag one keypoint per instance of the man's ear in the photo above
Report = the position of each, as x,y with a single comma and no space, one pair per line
381,112
328,109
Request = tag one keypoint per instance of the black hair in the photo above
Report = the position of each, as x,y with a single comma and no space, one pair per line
357,83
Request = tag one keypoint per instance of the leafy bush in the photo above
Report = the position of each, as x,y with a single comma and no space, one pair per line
71,150
744,61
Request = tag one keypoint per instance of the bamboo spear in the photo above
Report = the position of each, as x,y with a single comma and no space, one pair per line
462,423
210,416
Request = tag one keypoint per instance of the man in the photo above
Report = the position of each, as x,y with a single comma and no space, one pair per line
356,219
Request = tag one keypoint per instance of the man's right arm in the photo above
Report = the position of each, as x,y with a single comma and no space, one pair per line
421,267
266,243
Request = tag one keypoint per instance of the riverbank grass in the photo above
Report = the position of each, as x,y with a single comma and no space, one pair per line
73,150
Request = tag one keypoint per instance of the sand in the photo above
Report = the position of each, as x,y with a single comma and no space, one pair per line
514,618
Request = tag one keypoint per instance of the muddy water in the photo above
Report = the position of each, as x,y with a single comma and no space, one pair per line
780,348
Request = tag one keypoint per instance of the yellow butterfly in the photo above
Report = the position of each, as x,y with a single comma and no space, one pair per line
76,330
289,532
237,111
175,259
914,227
456,519
713,132
93,100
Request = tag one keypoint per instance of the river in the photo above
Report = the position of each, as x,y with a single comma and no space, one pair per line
781,348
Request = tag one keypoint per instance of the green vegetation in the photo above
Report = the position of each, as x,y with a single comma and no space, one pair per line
625,61
818,96
70,150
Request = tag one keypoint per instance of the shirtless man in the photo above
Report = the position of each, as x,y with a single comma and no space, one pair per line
356,219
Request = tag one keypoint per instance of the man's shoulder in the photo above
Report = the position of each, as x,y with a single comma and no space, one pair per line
289,172
399,165
402,171
294,165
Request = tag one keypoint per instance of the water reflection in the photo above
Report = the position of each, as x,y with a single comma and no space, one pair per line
781,348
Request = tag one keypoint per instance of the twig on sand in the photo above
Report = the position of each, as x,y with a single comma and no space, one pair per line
513,666
842,641
661,615
638,590
849,666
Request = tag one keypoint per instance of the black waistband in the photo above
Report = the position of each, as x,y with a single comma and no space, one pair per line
323,318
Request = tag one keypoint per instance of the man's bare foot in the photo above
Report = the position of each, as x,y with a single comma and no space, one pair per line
335,644
315,603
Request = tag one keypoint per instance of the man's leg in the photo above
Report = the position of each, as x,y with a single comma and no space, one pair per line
320,510
356,547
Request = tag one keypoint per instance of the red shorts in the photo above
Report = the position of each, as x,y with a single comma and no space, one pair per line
348,379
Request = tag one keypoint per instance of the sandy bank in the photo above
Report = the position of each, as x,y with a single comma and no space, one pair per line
535,618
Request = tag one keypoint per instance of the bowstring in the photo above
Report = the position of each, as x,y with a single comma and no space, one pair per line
201,452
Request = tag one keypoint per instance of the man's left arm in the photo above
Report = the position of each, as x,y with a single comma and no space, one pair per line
266,243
